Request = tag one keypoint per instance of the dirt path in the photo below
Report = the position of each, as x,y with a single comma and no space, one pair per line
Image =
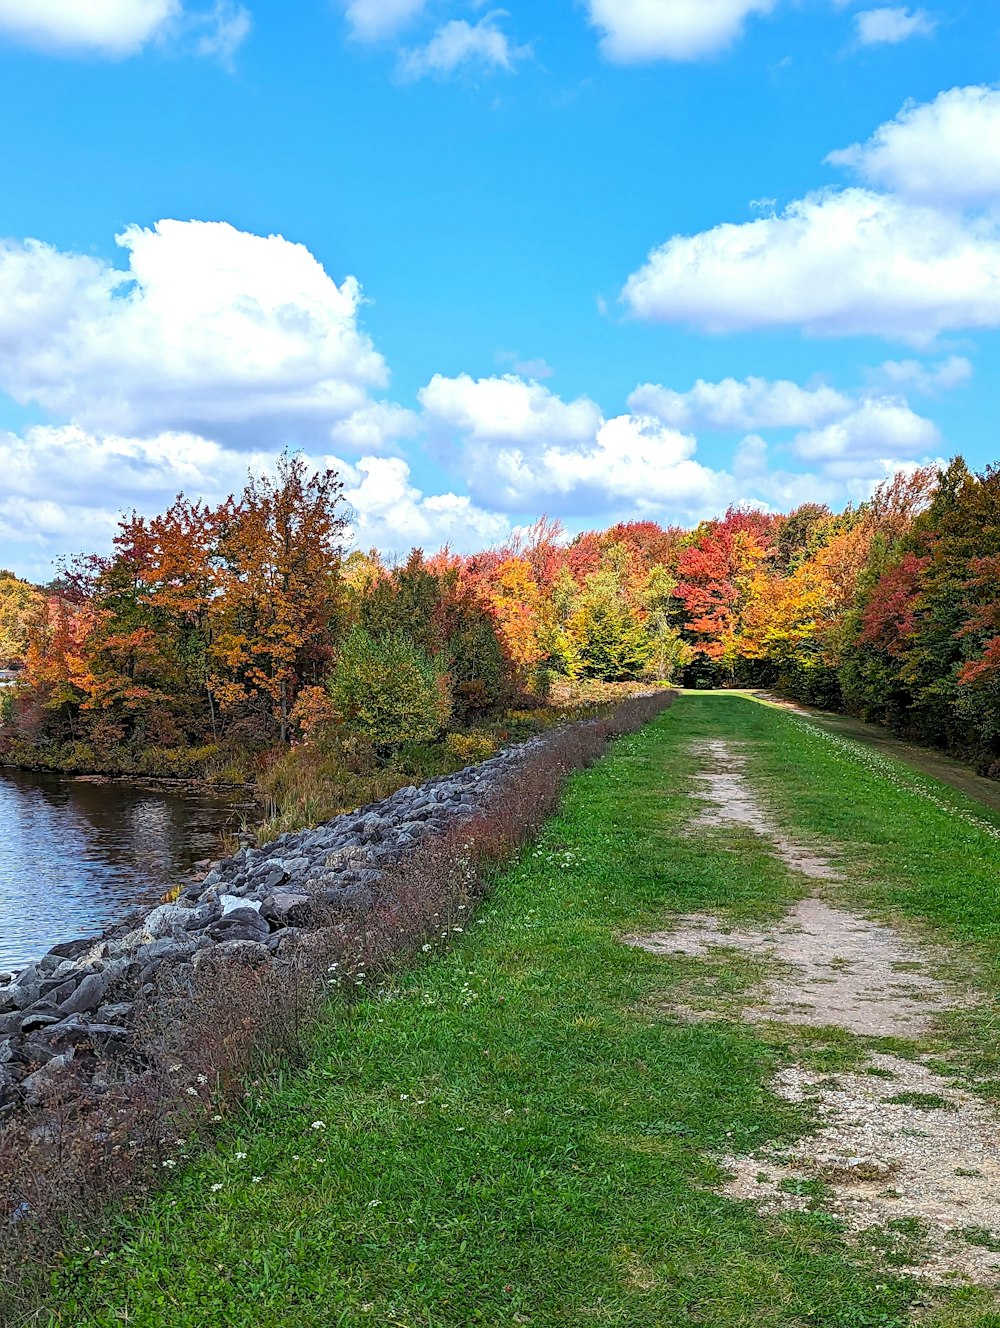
908,1161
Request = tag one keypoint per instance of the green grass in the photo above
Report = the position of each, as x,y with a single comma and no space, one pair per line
518,1132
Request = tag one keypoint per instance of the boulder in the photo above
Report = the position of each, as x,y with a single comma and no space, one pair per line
285,909
87,996
164,921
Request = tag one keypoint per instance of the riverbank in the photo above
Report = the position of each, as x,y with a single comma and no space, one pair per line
536,1125
153,1030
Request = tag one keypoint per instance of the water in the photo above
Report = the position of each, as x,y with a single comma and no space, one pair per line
77,855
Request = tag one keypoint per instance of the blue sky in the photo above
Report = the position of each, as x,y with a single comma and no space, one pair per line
494,181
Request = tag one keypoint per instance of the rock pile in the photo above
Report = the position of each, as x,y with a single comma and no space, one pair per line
75,1005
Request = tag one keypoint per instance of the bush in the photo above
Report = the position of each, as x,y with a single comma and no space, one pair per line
469,748
389,689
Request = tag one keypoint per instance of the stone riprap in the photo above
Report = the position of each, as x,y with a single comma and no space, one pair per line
74,1007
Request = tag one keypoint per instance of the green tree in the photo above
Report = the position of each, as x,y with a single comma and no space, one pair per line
389,689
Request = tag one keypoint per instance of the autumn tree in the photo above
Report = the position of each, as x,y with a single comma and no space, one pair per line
19,603
279,550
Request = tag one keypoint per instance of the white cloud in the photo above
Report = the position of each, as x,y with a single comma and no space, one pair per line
637,31
521,448
945,376
495,411
458,43
210,331
851,262
376,427
754,403
750,460
841,437
395,516
942,152
892,24
64,489
106,27
880,427
117,28
374,20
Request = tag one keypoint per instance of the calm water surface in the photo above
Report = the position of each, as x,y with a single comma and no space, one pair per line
77,855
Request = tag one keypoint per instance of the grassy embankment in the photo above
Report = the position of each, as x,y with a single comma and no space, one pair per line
515,1134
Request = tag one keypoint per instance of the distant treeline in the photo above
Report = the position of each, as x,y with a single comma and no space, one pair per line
245,625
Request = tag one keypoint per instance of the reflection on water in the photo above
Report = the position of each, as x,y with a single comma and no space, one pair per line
76,854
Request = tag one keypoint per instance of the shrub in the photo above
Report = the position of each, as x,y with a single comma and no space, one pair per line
468,748
389,689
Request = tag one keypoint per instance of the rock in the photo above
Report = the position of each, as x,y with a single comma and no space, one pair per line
38,1086
167,950
283,910
114,1012
356,898
239,924
87,997
39,1017
164,921
25,991
72,949
232,903
272,879
77,1029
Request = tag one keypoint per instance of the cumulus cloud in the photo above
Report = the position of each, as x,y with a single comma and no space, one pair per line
754,403
64,489
891,24
375,20
521,448
848,442
638,31
942,152
209,331
879,428
835,263
458,44
117,28
395,516
493,412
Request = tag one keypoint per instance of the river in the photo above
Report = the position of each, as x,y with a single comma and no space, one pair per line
77,854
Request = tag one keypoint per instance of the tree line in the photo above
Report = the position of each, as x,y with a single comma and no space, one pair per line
247,625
